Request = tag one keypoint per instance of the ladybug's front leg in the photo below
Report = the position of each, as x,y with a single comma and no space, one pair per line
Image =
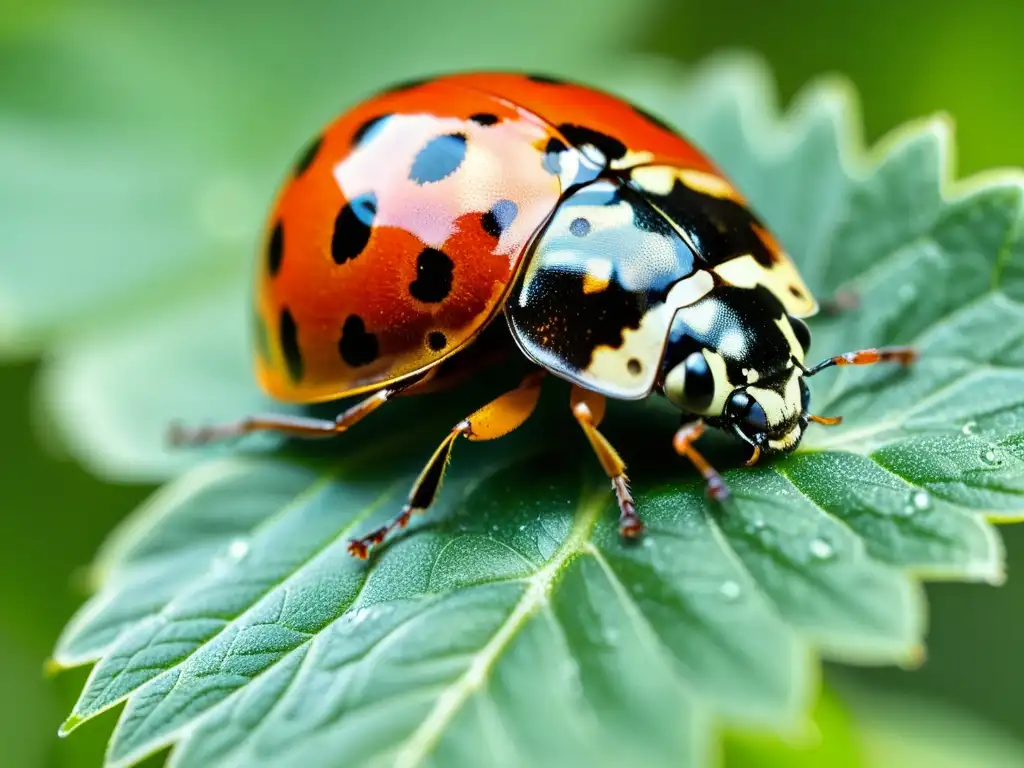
683,442
494,420
588,408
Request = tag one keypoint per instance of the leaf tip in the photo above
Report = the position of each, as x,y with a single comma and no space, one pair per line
916,656
52,667
69,725
998,576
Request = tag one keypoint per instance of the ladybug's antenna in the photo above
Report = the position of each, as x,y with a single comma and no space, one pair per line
902,355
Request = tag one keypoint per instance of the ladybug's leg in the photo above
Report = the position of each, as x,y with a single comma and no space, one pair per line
683,442
588,408
842,301
295,426
494,420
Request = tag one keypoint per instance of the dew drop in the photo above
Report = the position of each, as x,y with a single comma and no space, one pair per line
238,549
730,590
990,458
822,549
921,500
494,527
968,428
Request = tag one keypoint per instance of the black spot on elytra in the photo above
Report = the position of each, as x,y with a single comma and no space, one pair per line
579,135
275,249
654,119
439,158
357,347
365,131
634,366
720,228
437,341
499,218
288,336
579,227
352,228
433,276
796,292
551,160
545,79
484,118
308,155
551,320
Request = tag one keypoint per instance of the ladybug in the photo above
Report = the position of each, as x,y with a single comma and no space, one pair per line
621,258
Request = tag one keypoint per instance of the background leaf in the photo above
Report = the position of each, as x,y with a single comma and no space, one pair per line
270,644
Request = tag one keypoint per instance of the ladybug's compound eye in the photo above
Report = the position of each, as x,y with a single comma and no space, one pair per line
738,405
756,419
691,384
744,409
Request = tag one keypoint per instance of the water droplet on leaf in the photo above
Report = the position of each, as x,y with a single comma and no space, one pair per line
968,428
730,590
921,500
822,549
990,458
238,549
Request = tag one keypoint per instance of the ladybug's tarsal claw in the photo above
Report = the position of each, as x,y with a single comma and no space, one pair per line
630,524
631,527
717,489
357,548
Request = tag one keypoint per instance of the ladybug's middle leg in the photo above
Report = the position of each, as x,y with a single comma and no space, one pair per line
588,408
494,420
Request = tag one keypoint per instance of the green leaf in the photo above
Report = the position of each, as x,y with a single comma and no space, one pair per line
512,618
141,142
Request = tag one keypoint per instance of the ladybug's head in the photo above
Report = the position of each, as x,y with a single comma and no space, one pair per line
736,361
769,413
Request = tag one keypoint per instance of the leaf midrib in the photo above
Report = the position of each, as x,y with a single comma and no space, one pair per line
415,749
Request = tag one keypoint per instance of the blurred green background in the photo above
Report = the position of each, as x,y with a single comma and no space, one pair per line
906,59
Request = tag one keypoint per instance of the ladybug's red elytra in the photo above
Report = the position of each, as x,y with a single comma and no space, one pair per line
621,258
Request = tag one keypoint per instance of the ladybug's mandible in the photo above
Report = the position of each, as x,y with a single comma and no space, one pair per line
622,260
